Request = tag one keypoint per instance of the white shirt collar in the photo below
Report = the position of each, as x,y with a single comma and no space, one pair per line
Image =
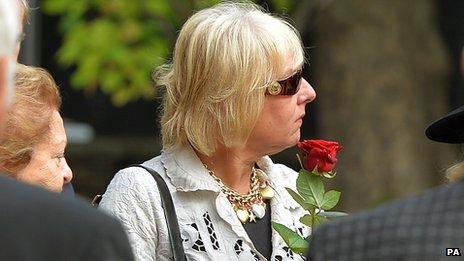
187,173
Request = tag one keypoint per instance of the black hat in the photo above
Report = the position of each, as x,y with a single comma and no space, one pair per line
449,128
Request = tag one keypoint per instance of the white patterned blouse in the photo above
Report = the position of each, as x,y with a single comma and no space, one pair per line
209,227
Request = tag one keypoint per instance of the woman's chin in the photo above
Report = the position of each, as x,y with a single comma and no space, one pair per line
291,142
296,137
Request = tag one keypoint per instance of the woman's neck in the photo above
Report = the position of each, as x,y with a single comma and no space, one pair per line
232,166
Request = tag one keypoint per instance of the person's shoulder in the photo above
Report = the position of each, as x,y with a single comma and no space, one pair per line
132,187
441,198
9,186
437,209
437,200
36,216
137,177
16,197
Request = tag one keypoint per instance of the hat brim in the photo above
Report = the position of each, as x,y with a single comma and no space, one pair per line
449,128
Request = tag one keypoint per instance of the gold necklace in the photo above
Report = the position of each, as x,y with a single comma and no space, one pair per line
250,206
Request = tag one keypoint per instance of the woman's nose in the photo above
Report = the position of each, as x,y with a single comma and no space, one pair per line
307,92
67,173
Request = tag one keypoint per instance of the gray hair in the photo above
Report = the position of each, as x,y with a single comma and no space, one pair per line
9,27
9,32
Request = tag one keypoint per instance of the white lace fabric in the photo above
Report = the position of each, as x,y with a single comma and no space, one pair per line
209,227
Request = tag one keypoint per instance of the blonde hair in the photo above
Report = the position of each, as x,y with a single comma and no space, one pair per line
215,85
455,172
25,9
28,121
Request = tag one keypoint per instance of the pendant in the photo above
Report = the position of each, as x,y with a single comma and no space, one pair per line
267,192
252,217
258,210
242,215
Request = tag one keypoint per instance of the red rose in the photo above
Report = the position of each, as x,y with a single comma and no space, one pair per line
320,154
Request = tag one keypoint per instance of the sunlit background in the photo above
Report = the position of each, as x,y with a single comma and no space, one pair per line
383,70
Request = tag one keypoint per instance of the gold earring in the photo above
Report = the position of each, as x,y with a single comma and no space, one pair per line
274,88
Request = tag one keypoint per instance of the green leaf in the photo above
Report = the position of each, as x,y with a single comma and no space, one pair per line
299,200
318,220
332,214
306,219
330,200
294,241
311,201
310,186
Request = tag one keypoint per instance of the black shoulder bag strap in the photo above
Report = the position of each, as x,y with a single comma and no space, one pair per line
169,213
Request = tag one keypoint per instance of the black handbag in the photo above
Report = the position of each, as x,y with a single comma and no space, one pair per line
169,213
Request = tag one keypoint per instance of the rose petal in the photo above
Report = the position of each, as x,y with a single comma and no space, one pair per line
320,154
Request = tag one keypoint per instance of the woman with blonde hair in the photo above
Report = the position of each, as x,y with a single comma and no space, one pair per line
33,142
234,94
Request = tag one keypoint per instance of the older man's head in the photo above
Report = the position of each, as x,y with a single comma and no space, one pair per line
9,35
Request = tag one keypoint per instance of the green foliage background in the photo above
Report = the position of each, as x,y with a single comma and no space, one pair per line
114,45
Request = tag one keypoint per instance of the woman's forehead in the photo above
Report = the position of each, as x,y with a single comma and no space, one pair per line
291,67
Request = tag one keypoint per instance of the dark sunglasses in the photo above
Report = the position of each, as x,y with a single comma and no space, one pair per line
289,86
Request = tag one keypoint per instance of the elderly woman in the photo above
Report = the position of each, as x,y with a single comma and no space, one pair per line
234,95
33,143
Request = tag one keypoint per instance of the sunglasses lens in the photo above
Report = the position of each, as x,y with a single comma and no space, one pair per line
291,85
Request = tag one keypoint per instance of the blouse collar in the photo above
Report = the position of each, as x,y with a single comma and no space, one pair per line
187,173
